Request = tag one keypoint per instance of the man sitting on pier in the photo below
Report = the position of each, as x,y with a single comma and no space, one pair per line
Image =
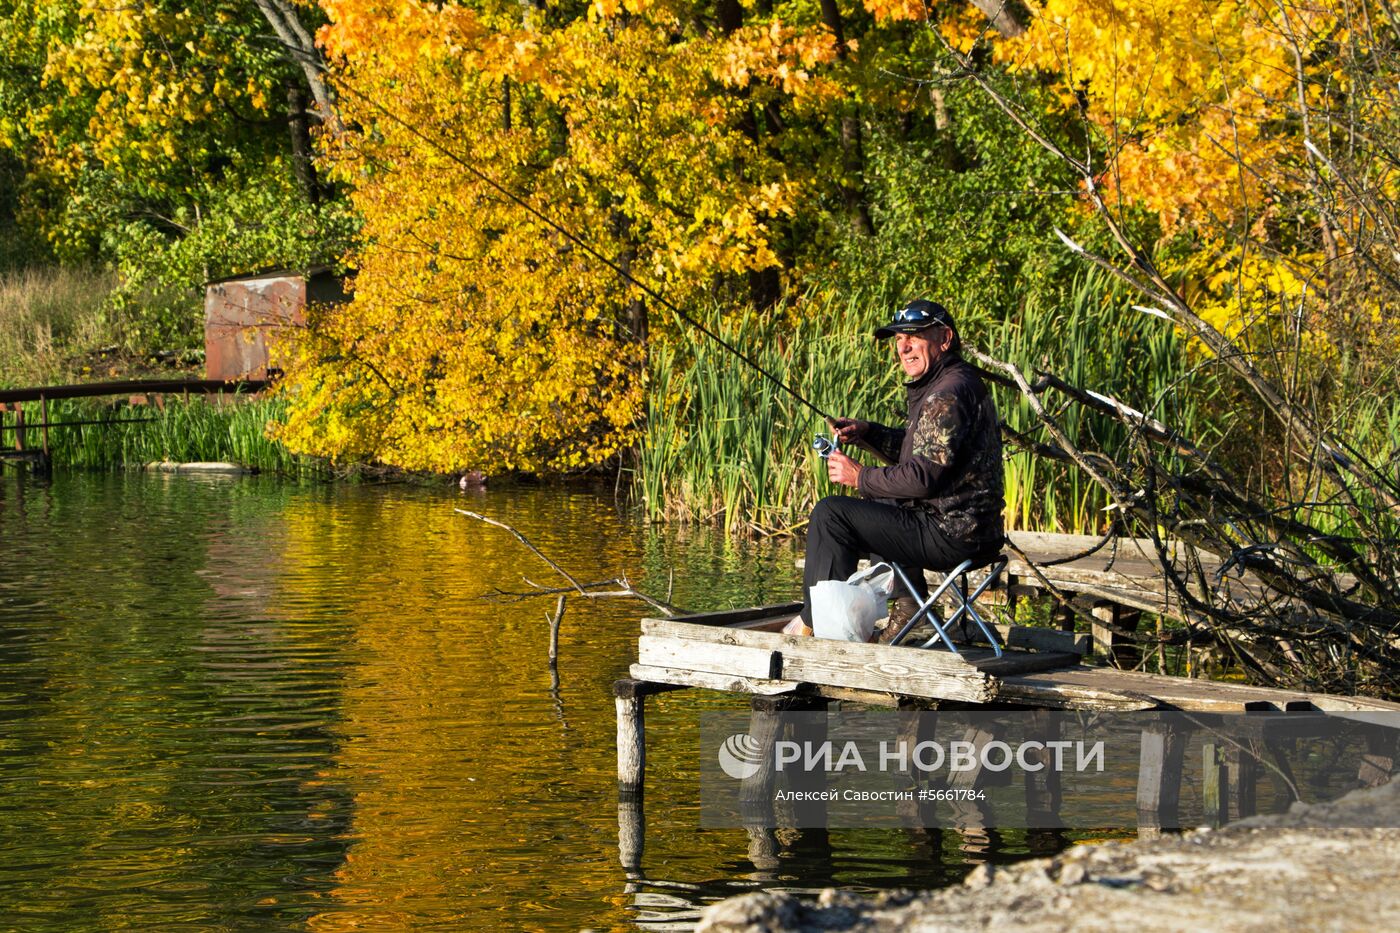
941,500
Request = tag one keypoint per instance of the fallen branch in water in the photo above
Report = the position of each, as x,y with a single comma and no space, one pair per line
525,541
624,590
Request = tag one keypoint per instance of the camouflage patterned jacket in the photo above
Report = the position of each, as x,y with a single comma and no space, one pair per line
948,461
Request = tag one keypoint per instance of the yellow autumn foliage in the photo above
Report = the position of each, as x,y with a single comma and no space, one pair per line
479,335
1203,109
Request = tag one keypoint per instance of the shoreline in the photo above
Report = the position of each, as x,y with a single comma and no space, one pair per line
1311,868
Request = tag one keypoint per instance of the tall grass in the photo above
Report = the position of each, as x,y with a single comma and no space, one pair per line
722,443
48,317
197,428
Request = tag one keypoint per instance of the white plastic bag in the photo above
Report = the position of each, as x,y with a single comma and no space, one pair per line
848,609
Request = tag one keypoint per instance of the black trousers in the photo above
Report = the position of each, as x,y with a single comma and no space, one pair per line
843,529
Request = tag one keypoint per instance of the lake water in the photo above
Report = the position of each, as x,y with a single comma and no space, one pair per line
245,703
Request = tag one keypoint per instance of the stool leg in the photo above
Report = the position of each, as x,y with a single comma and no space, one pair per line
967,604
926,608
993,572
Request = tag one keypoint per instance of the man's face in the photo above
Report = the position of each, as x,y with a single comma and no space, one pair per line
921,349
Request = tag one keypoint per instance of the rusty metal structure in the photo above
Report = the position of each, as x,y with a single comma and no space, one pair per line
246,316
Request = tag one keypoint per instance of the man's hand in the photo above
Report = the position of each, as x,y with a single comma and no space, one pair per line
849,430
842,470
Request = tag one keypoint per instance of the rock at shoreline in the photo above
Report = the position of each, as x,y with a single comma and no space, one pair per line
1308,869
168,466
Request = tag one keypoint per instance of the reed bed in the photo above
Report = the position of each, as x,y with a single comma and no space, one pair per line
723,444
215,428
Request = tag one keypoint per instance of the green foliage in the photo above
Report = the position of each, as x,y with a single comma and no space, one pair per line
160,139
247,221
963,213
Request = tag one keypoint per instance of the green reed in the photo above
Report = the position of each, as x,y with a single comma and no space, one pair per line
724,444
224,428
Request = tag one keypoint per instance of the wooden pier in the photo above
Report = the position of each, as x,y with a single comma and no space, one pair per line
743,652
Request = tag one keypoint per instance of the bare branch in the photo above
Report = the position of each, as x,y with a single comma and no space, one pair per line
587,591
526,541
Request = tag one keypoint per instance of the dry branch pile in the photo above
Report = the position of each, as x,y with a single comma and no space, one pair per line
1304,585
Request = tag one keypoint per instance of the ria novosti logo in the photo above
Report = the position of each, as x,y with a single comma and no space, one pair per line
740,756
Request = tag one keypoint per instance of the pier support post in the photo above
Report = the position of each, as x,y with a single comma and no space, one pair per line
631,768
1118,650
756,791
1043,786
1284,781
916,724
1159,780
1215,785
1378,764
809,730
973,777
765,725
631,745
1242,767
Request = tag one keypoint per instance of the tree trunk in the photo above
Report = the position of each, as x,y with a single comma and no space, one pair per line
299,126
1008,17
852,182
636,308
300,48
765,285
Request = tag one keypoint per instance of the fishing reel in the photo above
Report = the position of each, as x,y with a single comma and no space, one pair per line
825,446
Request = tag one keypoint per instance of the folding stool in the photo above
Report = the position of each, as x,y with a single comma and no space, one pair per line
955,584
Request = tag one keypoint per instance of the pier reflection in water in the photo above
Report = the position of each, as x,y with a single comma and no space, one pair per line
241,702
1164,770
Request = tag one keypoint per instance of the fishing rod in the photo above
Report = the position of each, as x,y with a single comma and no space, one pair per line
588,248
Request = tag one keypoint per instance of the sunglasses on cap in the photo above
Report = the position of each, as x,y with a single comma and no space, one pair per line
915,316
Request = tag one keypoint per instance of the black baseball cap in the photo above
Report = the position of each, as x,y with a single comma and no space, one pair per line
915,316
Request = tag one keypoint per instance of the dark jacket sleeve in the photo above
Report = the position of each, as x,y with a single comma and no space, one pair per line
940,430
885,441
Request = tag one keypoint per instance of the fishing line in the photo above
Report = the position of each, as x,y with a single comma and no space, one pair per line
586,247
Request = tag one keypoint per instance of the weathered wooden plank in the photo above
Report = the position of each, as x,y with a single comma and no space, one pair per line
852,695
891,675
1035,638
906,671
1025,662
806,646
637,688
1175,692
828,649
1051,695
872,667
739,660
710,680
